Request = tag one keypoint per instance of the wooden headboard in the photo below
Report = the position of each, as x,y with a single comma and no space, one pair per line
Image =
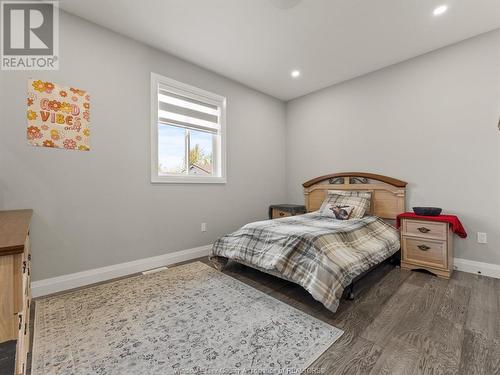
388,194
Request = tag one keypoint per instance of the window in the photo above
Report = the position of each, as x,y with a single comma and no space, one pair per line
187,133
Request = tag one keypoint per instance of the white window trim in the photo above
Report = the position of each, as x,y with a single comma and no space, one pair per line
194,93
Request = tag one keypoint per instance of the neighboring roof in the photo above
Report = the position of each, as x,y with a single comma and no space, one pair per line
199,170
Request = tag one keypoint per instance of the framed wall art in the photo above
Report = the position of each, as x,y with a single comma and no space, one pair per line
58,116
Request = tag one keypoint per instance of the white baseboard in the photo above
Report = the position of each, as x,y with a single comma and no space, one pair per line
79,279
471,266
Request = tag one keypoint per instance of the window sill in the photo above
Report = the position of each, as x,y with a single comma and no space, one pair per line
187,180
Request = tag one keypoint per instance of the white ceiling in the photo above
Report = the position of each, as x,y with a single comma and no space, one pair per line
259,42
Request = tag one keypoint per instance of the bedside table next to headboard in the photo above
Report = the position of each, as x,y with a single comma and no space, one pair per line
427,245
283,210
427,242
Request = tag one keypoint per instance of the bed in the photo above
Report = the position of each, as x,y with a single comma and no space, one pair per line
322,254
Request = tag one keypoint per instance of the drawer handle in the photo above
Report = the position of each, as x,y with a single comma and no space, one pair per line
423,230
423,247
282,214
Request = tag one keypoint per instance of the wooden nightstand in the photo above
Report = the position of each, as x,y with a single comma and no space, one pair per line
283,210
428,245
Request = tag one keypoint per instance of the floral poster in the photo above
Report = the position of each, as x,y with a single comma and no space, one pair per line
58,116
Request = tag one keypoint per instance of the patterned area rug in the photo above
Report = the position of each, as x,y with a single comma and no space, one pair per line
189,319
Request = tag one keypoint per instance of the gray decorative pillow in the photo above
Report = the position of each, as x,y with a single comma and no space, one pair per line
355,193
359,204
338,212
352,193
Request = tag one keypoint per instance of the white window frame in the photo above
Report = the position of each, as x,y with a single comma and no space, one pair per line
196,94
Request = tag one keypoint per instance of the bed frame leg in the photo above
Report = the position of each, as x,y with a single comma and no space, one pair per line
350,292
395,259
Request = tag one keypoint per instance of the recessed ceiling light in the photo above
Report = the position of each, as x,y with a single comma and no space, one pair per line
440,10
295,73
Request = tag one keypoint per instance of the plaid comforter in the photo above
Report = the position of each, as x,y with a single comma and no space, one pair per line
319,253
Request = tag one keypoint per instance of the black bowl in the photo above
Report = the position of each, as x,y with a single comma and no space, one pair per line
427,211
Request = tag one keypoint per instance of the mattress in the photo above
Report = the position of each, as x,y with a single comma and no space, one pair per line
321,254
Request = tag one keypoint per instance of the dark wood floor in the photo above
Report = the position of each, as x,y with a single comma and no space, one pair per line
7,355
401,322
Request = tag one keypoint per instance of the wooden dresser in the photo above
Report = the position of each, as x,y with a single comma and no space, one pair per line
427,245
15,282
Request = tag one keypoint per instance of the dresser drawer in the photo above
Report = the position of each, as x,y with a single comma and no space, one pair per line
425,252
20,346
279,213
425,229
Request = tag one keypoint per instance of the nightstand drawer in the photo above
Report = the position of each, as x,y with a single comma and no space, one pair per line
283,210
425,252
279,213
425,229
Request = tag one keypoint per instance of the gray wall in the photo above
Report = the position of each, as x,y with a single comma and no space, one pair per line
98,208
431,121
